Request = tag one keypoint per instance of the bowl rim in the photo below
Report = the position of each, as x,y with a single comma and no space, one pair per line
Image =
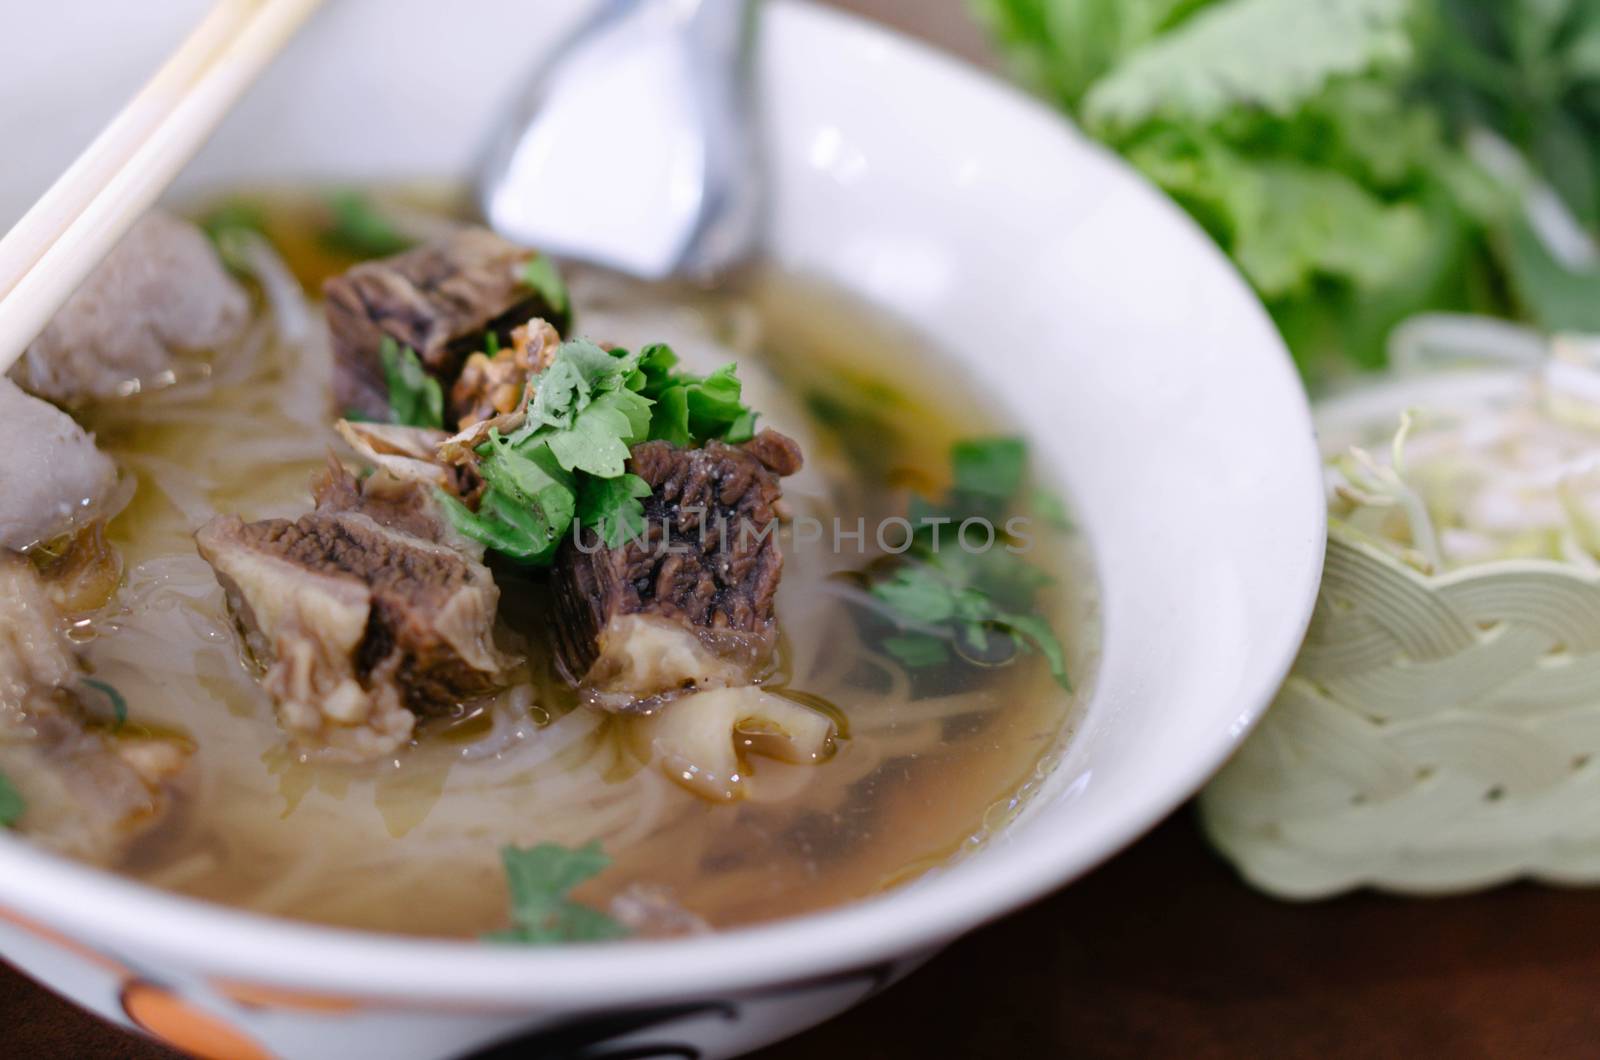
140,922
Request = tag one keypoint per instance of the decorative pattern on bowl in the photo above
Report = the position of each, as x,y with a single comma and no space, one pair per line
218,1019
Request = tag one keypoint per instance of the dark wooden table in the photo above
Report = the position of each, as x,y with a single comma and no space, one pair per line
1163,952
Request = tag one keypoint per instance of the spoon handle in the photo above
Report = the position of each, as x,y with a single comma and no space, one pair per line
666,90
721,23
720,36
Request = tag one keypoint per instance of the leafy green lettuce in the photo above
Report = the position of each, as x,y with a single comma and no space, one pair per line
1324,144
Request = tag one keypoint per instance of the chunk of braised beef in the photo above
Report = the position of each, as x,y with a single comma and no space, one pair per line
441,299
779,453
689,605
392,502
88,791
367,612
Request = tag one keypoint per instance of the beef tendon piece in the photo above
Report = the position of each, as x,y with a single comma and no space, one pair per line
160,298
367,613
440,299
689,606
391,500
87,791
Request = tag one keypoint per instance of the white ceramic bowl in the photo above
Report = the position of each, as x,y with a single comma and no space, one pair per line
1149,379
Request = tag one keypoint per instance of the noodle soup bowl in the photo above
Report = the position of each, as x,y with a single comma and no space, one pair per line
1152,387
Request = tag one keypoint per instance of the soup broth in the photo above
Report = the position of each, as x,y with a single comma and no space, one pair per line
926,764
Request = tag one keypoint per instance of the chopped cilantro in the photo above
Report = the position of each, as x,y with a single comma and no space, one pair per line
610,507
12,805
415,397
581,370
943,596
540,880
600,436
690,407
1036,632
1052,510
1008,579
569,458
541,274
742,429
714,404
669,419
357,227
233,215
919,595
231,224
918,650
501,525
119,706
529,491
989,467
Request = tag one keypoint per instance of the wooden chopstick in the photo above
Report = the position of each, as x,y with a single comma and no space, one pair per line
66,199
60,240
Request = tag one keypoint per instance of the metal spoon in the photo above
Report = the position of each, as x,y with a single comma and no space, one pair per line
634,146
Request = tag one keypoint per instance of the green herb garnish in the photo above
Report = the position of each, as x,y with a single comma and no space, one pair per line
611,506
119,705
12,805
980,604
1048,505
690,407
541,274
918,650
989,467
569,459
415,397
358,228
541,880
600,436
235,215
231,225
